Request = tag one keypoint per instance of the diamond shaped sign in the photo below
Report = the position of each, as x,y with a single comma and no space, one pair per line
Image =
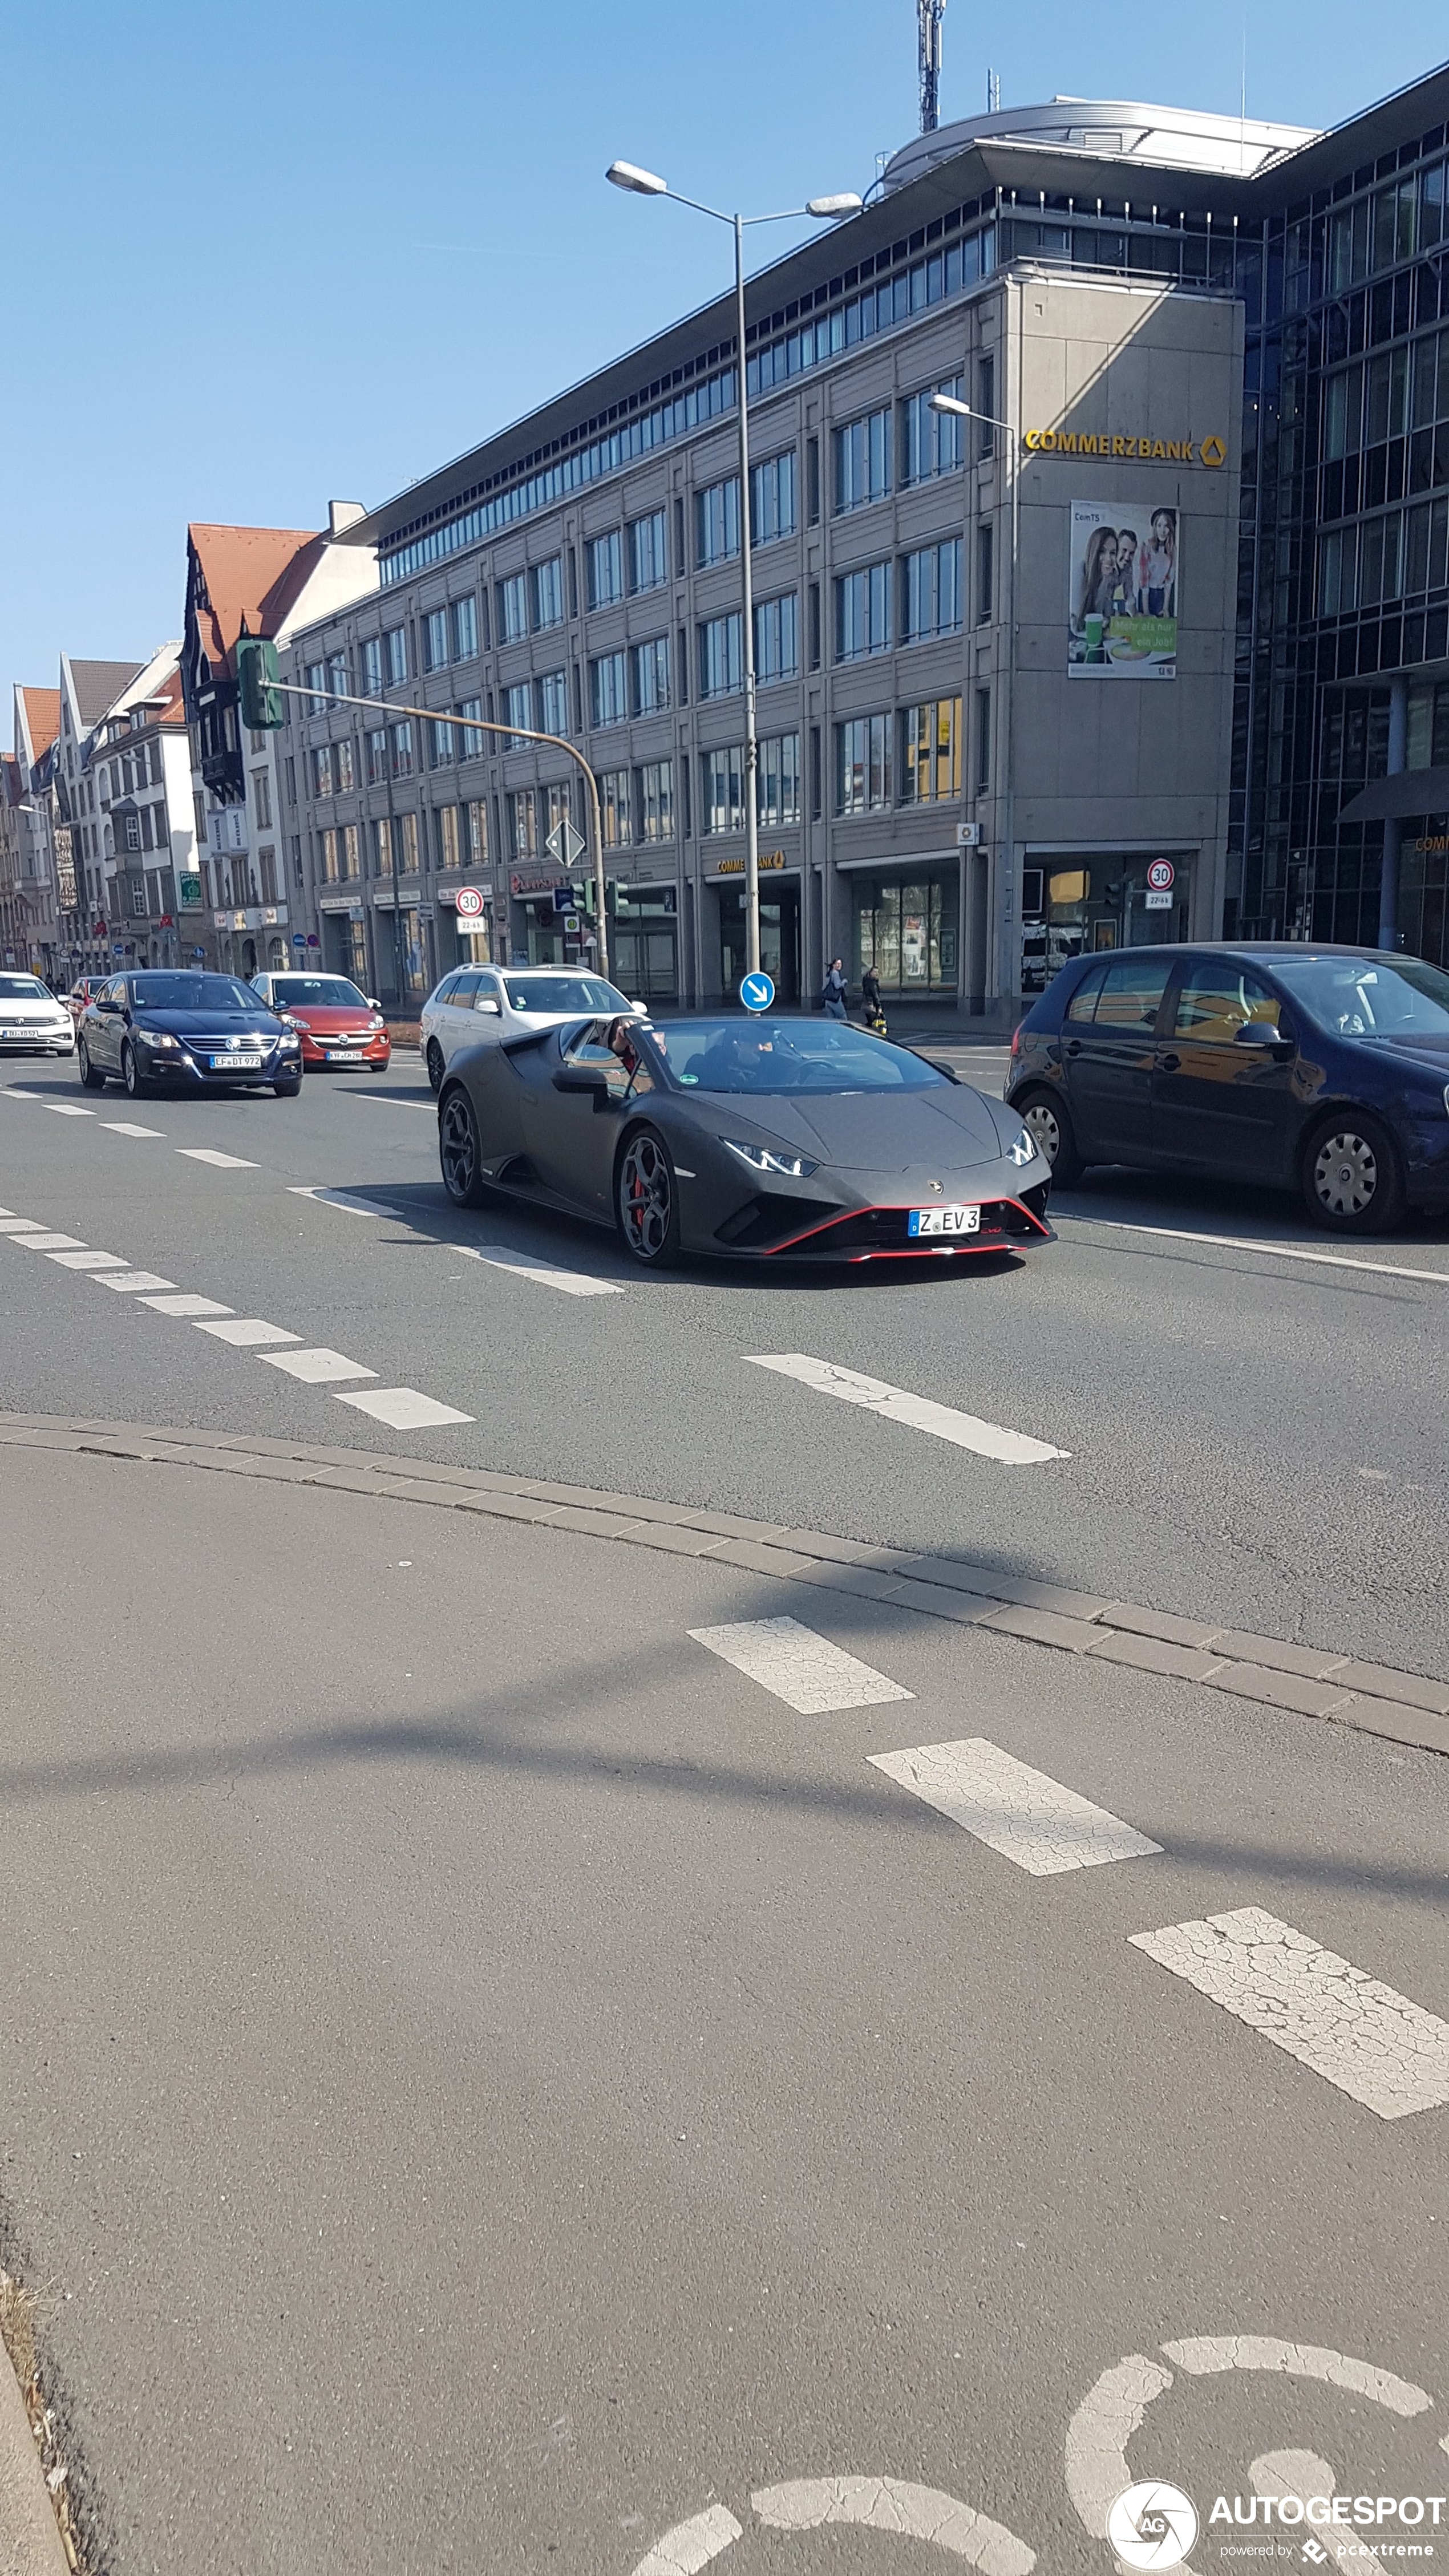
564,843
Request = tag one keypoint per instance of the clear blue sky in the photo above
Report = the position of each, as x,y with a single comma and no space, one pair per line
259,256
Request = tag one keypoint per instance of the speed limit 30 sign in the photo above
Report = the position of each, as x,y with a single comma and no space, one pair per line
1161,875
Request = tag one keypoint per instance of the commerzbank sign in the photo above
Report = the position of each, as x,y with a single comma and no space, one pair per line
1211,451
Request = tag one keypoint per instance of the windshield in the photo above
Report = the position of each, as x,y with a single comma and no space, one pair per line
790,1056
22,988
324,992
1363,997
196,993
562,993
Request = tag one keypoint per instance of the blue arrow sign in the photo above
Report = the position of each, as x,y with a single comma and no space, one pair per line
757,992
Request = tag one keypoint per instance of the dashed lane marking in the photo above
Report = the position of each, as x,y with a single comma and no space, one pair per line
1248,1243
403,1409
548,1274
805,1670
87,1260
136,1281
187,1306
246,1331
1373,2044
1030,1819
919,1412
13,1091
68,1109
340,1199
20,1225
222,1162
49,1242
125,1127
315,1368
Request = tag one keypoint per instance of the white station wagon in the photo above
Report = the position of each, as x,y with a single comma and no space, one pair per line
476,1003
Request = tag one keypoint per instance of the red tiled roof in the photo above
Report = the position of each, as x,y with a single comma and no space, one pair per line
42,714
251,573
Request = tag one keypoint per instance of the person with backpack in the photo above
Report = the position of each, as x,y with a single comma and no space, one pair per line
833,991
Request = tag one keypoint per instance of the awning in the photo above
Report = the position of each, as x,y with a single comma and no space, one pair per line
1408,791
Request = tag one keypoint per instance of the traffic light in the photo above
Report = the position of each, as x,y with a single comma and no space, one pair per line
262,708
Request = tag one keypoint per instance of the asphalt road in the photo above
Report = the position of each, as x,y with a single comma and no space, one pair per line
487,2082
1246,1434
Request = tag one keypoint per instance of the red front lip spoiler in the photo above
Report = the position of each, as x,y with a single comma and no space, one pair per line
934,1247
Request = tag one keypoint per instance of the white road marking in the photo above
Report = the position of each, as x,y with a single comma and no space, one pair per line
68,1109
21,1225
1302,2473
425,1106
49,1242
138,1280
1373,2044
315,1368
403,1409
14,1092
573,1283
804,1670
340,1199
184,1305
223,1162
87,1260
1203,2356
691,2545
1247,1243
1019,1812
124,1127
245,1330
893,1404
899,2505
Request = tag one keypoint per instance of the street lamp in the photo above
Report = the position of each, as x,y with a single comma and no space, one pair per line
644,183
954,409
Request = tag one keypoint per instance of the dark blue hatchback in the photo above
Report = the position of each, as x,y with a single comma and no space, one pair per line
1324,1070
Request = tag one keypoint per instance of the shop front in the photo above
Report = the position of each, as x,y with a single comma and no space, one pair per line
344,945
1092,900
905,922
644,941
405,961
779,925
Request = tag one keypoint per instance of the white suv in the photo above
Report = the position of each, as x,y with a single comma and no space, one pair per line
476,1003
32,1021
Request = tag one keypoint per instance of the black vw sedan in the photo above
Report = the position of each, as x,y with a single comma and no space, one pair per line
773,1139
208,1032
1324,1070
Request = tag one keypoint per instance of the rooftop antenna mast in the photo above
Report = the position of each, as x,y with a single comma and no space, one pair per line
929,14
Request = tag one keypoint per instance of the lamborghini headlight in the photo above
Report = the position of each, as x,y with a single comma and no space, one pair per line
763,1158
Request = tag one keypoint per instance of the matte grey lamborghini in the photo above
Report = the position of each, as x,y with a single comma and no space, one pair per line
778,1139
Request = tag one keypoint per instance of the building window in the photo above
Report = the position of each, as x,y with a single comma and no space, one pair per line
405,831
983,741
522,810
471,745
396,643
648,552
475,815
338,679
329,858
316,678
863,612
322,769
465,629
722,780
986,406
931,441
614,808
440,742
446,829
548,594
984,573
931,752
721,656
650,674
297,874
608,690
435,639
267,862
777,638
777,781
402,749
377,756
863,765
372,666
717,521
558,806
262,799
346,857
656,800
772,499
931,591
553,702
518,712
606,569
862,461
513,608
906,930
343,771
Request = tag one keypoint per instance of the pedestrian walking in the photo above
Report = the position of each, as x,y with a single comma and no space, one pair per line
872,1009
833,991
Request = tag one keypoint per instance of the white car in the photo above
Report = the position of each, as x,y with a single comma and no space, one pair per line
475,1003
32,1021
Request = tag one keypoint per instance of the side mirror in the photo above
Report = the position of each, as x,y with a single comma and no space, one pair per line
373,1003
1264,1037
488,1004
583,1078
641,1007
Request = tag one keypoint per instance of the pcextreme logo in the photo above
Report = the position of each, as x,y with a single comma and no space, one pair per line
1211,451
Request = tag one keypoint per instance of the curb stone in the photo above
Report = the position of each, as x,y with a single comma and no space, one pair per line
1312,1681
30,2542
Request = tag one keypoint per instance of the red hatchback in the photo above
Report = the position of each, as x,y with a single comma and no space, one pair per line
338,1024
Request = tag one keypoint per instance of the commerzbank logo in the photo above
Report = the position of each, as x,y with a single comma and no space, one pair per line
1152,2525
1123,448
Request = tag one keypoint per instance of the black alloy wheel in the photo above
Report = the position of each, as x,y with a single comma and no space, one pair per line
1353,1175
460,1149
1047,1121
646,1199
131,1072
435,1064
90,1074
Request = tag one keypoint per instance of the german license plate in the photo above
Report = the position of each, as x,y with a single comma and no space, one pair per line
344,1055
236,1064
945,1220
24,1035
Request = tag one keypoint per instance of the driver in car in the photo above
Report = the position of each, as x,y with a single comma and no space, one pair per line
739,1061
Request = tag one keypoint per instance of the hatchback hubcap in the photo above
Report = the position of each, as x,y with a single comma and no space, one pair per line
459,1151
644,1198
1041,1126
1346,1174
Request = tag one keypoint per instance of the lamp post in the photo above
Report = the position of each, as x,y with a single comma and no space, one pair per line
953,408
643,183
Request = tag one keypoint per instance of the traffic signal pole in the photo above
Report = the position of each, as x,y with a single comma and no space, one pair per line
510,733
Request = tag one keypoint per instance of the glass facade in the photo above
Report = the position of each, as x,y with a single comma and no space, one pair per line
905,927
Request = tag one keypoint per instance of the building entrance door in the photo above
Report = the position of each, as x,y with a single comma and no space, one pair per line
779,939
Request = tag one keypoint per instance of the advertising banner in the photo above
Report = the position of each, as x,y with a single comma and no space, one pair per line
1122,608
